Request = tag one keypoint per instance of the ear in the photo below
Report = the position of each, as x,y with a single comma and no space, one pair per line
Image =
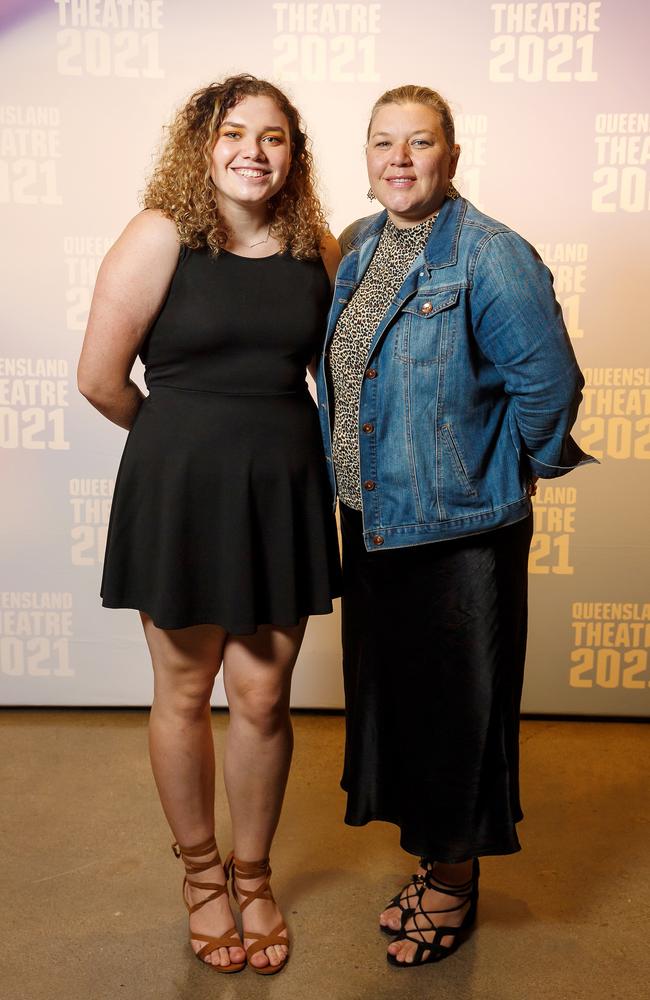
455,153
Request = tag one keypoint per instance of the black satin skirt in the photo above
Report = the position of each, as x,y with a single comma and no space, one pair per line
434,643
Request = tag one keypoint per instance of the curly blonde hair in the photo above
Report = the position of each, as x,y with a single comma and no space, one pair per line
182,188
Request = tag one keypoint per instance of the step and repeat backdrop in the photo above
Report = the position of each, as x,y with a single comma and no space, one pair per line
553,116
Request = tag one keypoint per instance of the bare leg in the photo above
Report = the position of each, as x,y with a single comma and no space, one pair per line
259,744
186,662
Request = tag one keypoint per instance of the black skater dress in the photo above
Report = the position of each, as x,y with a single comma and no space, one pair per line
221,512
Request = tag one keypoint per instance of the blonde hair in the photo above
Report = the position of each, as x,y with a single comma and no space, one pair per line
182,188
411,94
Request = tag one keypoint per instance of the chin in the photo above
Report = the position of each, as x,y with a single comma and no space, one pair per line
406,209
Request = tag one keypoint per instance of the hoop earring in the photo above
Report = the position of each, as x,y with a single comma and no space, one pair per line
371,195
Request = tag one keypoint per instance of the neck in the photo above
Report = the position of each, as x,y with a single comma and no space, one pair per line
246,224
407,223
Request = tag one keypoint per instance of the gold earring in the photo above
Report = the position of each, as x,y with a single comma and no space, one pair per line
371,195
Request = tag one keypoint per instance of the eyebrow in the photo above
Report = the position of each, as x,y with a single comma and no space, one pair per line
267,128
420,131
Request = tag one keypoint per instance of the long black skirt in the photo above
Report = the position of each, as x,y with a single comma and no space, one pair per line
434,643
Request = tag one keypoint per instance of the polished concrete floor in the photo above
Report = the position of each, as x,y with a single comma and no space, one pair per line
90,891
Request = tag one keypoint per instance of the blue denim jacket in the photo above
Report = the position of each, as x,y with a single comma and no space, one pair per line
471,384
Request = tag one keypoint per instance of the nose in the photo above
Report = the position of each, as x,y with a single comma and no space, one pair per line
401,154
253,150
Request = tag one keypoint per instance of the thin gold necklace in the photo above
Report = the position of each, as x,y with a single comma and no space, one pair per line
258,243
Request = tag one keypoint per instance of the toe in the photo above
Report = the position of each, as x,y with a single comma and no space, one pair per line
237,955
259,960
280,953
390,918
399,950
406,954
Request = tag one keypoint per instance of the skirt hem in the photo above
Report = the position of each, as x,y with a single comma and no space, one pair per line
210,618
437,853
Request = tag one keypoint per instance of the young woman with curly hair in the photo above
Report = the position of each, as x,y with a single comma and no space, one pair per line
221,531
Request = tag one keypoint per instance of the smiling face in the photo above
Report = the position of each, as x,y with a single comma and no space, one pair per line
409,162
252,154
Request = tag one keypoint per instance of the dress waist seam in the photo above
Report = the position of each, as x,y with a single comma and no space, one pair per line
218,392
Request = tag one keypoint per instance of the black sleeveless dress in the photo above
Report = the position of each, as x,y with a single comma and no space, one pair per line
221,512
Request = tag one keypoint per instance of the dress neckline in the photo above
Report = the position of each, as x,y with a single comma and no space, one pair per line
240,256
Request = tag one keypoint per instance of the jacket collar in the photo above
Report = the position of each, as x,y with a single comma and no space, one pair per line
369,228
441,249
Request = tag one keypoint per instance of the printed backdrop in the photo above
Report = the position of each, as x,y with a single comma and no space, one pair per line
551,103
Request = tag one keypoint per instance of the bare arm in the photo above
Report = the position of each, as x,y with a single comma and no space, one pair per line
131,287
331,255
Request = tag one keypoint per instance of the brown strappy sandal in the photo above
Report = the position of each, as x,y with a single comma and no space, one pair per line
248,870
231,938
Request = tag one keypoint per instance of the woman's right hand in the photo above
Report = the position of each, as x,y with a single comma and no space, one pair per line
132,283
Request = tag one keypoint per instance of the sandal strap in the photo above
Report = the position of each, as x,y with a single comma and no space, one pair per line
243,870
465,892
458,890
230,939
188,854
416,934
251,869
214,889
194,867
263,941
461,890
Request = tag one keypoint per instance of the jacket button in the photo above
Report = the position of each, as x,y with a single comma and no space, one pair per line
378,540
369,485
426,307
371,373
368,428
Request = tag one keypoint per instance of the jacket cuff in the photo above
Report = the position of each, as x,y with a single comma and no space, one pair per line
572,457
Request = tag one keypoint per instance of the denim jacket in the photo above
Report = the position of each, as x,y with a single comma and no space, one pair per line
471,385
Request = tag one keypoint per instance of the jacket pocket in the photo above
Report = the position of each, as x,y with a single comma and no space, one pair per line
422,334
457,461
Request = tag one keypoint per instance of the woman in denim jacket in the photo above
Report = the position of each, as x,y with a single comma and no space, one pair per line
447,387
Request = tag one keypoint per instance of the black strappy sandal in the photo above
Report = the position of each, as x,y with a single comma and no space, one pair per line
406,903
465,893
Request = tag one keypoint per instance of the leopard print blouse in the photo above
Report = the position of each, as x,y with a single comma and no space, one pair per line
348,351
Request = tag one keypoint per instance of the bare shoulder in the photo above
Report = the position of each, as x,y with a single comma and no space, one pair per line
145,254
149,231
138,269
331,255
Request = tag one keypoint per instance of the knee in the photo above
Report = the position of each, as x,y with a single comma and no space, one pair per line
267,709
187,699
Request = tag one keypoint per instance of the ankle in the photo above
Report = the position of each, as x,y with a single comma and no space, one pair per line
451,874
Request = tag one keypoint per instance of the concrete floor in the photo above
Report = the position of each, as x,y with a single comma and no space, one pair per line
90,891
